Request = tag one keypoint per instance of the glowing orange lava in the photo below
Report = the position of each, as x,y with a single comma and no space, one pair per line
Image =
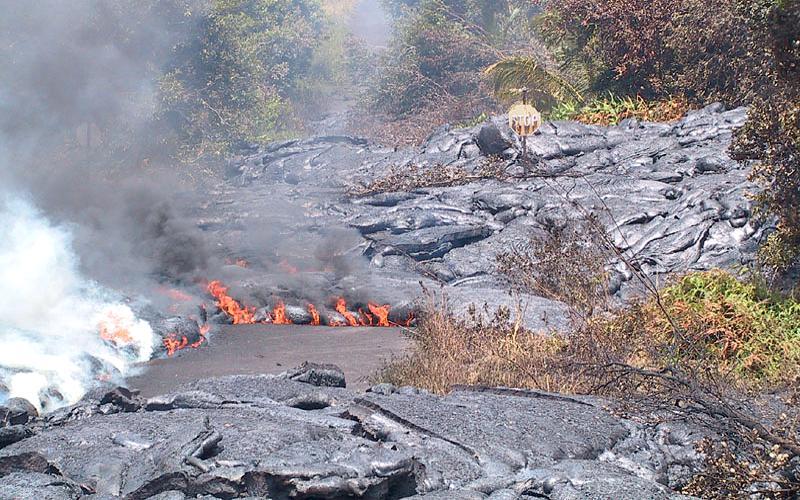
279,315
380,312
376,315
174,344
341,308
113,330
314,315
240,315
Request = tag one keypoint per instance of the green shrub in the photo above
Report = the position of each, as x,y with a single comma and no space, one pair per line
434,66
771,135
655,49
736,325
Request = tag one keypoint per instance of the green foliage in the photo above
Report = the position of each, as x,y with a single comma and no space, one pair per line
232,80
440,50
610,109
736,325
517,72
771,135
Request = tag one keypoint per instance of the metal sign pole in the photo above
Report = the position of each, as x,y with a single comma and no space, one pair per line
524,120
524,137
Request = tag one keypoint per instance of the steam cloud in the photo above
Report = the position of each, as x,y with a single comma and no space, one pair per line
72,69
51,350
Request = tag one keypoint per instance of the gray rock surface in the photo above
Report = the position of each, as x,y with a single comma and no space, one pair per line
247,436
668,194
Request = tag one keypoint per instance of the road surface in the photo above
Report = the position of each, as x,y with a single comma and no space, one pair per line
253,349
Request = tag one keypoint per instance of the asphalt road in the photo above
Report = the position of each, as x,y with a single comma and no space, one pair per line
254,349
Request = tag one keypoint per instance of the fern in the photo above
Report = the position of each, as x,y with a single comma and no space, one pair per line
515,72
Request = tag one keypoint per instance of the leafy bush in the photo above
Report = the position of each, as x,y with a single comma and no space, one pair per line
619,42
655,49
734,325
436,60
772,133
432,74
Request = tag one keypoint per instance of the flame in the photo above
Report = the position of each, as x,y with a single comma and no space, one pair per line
341,308
380,312
314,315
240,315
279,314
173,345
377,315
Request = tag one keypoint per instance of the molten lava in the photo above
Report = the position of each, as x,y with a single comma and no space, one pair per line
314,315
174,344
112,329
279,314
378,315
341,308
380,312
240,315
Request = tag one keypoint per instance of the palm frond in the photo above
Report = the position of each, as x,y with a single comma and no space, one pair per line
516,72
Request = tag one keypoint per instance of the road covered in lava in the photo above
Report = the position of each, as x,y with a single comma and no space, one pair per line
335,217
320,250
334,230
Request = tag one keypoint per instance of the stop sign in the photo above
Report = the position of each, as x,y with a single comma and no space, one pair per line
524,119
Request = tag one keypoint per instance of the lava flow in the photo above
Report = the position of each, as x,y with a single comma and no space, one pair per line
240,315
279,315
174,343
377,315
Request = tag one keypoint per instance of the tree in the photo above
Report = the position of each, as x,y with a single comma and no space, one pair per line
771,135
233,80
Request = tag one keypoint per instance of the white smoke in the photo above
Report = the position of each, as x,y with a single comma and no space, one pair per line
60,334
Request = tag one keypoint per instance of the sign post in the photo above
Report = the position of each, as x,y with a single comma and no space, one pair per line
524,120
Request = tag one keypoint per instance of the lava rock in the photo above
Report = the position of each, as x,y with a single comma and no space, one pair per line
177,328
122,398
320,375
12,434
273,437
18,411
39,486
26,462
491,141
298,315
189,399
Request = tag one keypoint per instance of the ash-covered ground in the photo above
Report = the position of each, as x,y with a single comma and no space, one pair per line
289,226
